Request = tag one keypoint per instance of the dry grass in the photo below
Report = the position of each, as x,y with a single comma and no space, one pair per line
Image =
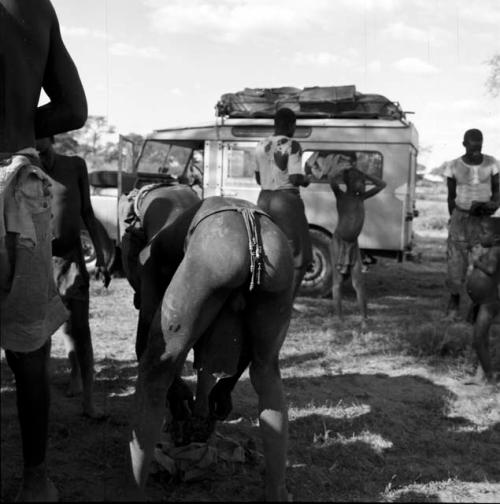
381,414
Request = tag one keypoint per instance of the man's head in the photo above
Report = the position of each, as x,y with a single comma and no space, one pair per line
473,143
284,122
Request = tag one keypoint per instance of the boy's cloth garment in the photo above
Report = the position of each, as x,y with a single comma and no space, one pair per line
30,308
71,275
348,254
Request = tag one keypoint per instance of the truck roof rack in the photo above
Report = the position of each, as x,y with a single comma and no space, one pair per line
313,102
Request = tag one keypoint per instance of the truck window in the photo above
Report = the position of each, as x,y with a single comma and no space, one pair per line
161,157
241,164
321,163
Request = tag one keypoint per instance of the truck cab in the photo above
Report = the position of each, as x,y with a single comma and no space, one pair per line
217,159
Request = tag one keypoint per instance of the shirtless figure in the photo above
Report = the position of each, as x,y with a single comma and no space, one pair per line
32,57
483,287
345,252
71,201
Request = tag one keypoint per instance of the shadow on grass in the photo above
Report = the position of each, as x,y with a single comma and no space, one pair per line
364,434
402,434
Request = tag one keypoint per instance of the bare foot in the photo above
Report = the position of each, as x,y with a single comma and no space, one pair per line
37,489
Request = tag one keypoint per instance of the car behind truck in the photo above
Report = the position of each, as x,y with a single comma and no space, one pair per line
217,158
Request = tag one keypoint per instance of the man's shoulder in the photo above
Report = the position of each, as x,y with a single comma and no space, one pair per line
490,160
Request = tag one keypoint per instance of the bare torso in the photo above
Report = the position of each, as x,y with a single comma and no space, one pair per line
481,287
351,216
23,54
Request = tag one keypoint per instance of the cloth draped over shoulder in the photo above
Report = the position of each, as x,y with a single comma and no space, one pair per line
30,308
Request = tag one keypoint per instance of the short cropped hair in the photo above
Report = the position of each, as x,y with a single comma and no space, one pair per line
284,117
473,134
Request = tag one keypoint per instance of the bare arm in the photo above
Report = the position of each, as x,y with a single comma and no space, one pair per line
495,189
90,221
257,177
379,184
452,193
299,179
335,187
67,109
490,262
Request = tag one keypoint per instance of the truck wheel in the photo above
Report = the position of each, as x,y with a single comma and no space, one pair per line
317,281
89,250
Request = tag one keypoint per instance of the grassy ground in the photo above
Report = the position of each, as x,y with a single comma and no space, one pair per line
382,414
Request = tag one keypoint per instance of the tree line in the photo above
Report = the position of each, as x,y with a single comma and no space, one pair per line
93,143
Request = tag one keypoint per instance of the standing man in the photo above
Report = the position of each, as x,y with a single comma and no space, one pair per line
279,173
71,201
32,57
473,191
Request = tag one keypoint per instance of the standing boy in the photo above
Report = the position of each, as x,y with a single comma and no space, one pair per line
345,252
71,202
483,287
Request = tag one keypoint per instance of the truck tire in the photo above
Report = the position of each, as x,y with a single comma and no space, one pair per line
317,281
89,250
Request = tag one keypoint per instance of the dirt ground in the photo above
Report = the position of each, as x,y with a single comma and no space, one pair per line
383,414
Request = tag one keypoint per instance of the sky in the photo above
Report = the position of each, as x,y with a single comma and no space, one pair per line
150,64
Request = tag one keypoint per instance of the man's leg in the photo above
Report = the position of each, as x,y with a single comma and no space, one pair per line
185,313
337,278
482,325
267,321
33,398
81,355
358,284
457,260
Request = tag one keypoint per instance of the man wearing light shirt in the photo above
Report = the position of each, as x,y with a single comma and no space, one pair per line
473,191
279,173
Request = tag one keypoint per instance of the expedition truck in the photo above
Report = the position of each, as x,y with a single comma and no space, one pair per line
217,158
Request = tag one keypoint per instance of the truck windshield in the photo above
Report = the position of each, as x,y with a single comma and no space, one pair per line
161,157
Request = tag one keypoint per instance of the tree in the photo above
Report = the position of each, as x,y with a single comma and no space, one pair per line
493,81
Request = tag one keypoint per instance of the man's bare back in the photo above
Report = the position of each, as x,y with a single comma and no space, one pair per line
32,57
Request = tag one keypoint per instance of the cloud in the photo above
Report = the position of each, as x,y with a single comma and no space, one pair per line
233,20
488,13
374,66
79,31
323,58
124,49
415,66
403,32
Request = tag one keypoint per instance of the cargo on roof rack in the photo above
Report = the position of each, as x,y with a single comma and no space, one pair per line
310,102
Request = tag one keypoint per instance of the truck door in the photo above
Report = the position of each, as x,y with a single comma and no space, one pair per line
238,171
126,175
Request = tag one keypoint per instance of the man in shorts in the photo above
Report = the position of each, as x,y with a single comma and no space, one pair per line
473,191
71,201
